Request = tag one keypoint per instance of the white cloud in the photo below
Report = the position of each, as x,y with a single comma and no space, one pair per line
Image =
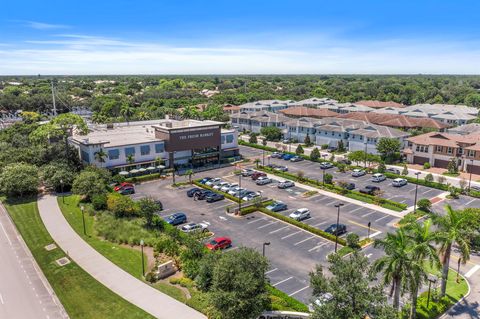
44,26
83,54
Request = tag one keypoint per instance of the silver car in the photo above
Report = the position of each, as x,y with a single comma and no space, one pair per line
263,180
194,227
300,214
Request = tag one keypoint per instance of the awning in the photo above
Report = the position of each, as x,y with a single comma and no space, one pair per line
123,173
151,168
161,167
141,170
134,171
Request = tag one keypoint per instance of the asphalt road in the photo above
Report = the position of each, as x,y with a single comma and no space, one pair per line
24,291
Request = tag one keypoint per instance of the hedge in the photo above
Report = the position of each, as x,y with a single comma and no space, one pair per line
385,203
289,302
144,178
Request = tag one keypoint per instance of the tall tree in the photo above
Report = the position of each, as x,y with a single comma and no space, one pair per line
101,156
388,147
127,112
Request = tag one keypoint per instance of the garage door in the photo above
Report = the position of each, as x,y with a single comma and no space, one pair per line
419,160
441,163
473,169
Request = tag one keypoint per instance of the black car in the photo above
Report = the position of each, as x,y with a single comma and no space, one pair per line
349,186
204,180
192,191
202,194
370,189
128,190
214,197
336,229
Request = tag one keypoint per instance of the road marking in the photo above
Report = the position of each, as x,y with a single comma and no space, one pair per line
267,224
319,224
278,283
316,247
6,235
274,269
352,211
256,220
375,234
382,218
222,218
368,214
358,224
272,232
424,193
1,299
291,234
330,203
302,241
299,290
205,222
472,271
470,202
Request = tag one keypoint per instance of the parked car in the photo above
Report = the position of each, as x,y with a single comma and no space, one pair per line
220,185
285,184
377,178
272,166
287,141
247,172
242,193
212,182
232,191
296,159
332,148
399,182
281,168
127,190
228,187
204,180
176,219
277,206
336,229
256,175
326,165
370,189
358,172
276,155
214,197
347,185
263,180
393,171
300,214
203,193
475,188
250,196
345,161
194,227
288,157
192,191
219,243
320,301
122,185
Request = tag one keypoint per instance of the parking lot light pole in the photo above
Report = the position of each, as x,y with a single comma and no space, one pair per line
82,208
338,221
416,191
470,179
142,243
263,247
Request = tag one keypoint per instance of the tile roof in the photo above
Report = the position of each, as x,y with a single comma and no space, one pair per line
447,139
300,111
394,120
380,104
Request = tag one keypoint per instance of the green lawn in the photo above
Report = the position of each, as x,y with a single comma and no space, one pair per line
126,258
82,296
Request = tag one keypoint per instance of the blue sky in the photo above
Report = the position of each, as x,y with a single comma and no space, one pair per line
214,37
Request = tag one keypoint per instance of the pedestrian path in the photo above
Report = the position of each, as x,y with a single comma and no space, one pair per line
122,283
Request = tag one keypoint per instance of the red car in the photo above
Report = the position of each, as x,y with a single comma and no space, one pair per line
219,243
256,175
122,185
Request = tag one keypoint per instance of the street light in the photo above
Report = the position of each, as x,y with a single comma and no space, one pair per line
431,280
416,191
470,179
263,247
143,265
338,220
82,208
63,195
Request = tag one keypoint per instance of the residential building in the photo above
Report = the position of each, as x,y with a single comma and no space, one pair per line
303,111
231,109
254,121
266,105
380,104
139,144
315,101
438,149
395,120
449,114
465,129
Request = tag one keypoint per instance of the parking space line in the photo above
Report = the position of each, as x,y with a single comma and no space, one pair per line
316,247
302,241
470,202
472,271
358,224
270,271
268,224
282,281
330,203
368,214
382,218
356,209
428,191
316,225
284,237
272,232
299,290
375,234
257,220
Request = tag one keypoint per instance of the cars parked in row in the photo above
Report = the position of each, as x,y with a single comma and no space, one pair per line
247,172
256,175
220,185
280,168
399,182
204,180
212,182
358,172
347,185
336,229
277,206
126,190
228,187
263,180
194,227
276,155
300,214
214,197
285,184
296,159
175,219
378,177
370,190
393,171
219,243
250,196
287,157
191,192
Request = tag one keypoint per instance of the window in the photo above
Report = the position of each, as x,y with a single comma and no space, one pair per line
471,153
85,157
439,148
145,149
229,138
159,148
460,150
223,139
129,151
449,150
113,154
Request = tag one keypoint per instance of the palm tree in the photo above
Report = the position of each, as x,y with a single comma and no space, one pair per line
143,116
190,112
395,265
126,111
130,159
454,228
190,174
257,161
100,156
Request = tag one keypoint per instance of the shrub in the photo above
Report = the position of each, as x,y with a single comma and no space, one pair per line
426,165
405,170
99,201
253,138
315,154
328,178
441,179
299,150
424,204
89,183
150,277
353,240
452,166
429,178
381,167
121,206
324,146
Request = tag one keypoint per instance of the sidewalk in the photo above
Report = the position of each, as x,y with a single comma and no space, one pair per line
120,282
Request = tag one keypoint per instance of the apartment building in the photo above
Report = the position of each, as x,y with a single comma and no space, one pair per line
439,148
140,144
266,105
449,114
253,122
303,111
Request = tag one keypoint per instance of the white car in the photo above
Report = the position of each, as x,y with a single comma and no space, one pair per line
250,196
234,190
320,301
399,182
220,185
213,182
247,172
228,187
300,214
358,172
377,178
194,227
263,180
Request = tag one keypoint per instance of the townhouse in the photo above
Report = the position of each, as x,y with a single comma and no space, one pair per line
266,105
253,122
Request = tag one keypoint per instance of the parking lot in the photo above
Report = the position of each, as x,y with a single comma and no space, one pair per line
404,194
460,203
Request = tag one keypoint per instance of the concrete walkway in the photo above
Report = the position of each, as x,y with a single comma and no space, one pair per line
120,282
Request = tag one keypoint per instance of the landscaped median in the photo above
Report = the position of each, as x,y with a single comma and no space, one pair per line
382,202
